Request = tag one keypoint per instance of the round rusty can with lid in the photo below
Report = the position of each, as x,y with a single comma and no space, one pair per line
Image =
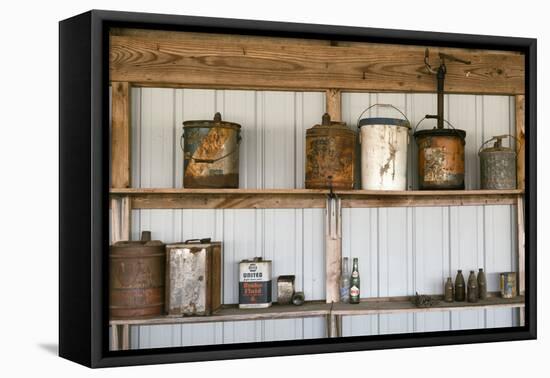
330,155
136,278
211,153
497,165
440,158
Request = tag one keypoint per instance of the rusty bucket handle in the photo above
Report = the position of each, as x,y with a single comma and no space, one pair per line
383,106
209,161
500,137
427,116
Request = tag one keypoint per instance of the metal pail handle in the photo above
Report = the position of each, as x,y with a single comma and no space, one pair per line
384,106
447,122
209,161
500,137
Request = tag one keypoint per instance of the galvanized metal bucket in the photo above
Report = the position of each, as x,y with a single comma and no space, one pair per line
498,164
440,157
211,153
384,143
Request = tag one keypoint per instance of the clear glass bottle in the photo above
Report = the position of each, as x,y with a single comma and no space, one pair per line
449,290
355,283
345,281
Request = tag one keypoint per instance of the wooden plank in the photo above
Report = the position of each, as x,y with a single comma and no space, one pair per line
120,135
125,218
115,220
115,337
246,62
233,313
333,249
305,198
406,306
334,104
520,134
521,254
125,337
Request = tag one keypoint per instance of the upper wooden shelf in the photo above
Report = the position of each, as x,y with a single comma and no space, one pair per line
179,198
200,60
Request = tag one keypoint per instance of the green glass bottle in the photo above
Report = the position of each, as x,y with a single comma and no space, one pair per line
355,283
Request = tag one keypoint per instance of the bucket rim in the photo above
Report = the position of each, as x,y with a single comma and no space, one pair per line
207,123
384,121
441,132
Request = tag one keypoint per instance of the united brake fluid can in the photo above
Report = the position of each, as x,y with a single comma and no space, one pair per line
255,283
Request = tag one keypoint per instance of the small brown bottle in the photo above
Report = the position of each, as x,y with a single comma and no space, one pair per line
481,284
460,287
449,295
472,287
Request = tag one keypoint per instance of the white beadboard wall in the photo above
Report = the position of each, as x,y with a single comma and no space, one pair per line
400,250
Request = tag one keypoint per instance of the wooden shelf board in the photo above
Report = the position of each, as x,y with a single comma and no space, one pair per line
174,198
404,305
233,313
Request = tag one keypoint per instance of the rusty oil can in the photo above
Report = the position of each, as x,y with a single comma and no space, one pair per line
330,155
255,283
440,158
193,277
136,278
211,153
497,165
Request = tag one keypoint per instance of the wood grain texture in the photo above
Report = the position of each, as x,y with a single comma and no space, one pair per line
333,249
334,104
120,135
307,198
115,220
521,254
218,61
125,218
520,134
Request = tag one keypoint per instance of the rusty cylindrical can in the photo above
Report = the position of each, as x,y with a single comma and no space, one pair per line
384,143
330,155
255,283
440,158
508,284
211,153
497,165
136,278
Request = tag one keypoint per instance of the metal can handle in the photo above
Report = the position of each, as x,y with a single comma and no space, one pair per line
210,161
427,116
197,241
497,137
384,106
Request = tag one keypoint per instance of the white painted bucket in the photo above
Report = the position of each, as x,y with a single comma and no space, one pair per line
384,143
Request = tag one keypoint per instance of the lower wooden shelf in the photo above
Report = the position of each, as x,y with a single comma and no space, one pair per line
371,306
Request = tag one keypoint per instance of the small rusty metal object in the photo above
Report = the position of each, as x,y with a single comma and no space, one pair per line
440,157
508,285
211,153
330,155
424,301
472,293
255,283
285,289
481,284
497,165
449,290
193,277
384,143
136,278
298,298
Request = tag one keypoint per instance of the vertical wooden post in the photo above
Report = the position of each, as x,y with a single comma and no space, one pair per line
334,104
125,337
521,255
125,218
120,135
115,220
115,337
333,248
520,134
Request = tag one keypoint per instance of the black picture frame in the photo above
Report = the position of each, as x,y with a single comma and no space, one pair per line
84,172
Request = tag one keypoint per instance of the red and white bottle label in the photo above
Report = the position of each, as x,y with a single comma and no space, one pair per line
354,291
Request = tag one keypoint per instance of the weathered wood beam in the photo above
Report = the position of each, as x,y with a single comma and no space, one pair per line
120,135
174,59
520,134
334,104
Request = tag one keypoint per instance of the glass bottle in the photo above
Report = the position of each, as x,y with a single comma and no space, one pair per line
481,284
449,295
460,287
345,281
472,287
355,283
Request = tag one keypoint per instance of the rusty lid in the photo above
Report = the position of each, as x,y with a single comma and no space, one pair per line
441,132
140,246
328,125
216,122
497,146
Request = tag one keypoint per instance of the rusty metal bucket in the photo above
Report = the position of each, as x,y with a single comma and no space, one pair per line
211,153
330,155
498,165
440,157
136,278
